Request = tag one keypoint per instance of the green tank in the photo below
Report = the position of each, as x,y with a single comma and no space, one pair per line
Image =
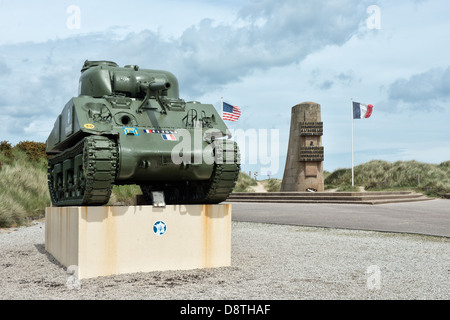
129,126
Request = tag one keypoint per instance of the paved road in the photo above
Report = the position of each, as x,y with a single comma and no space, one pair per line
425,217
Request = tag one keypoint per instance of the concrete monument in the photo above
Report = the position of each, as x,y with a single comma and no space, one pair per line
304,161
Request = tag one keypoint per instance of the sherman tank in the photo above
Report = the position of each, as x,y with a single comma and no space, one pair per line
129,126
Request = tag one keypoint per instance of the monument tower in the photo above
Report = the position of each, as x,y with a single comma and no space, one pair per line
304,161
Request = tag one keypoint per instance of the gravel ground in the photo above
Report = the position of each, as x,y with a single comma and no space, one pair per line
268,262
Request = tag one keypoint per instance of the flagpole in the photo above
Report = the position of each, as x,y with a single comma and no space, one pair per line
351,102
221,105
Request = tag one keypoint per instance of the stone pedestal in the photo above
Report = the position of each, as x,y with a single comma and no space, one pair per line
108,240
304,161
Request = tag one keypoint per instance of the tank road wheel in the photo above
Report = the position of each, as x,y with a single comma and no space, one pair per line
215,190
84,174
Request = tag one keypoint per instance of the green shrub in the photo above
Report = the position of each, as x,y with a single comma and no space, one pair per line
34,150
6,149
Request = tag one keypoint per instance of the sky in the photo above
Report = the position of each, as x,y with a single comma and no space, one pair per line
263,56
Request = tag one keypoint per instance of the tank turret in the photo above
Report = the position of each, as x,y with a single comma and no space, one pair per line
105,78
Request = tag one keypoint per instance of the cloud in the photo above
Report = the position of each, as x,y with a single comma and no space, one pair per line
325,79
327,84
4,68
348,77
38,84
269,34
205,57
275,34
424,91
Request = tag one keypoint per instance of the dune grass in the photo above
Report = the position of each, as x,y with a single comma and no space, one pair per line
375,175
244,183
124,194
23,189
273,185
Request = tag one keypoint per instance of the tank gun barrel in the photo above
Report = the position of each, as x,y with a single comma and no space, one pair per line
158,85
155,85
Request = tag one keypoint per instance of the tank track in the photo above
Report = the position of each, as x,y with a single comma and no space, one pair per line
212,191
224,176
84,174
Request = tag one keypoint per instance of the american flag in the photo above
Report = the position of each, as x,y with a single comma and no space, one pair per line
230,112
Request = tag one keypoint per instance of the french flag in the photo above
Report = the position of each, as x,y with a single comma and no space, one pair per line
361,110
170,137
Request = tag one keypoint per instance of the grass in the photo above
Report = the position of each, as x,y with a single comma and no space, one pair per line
23,189
376,175
244,183
273,185
124,194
